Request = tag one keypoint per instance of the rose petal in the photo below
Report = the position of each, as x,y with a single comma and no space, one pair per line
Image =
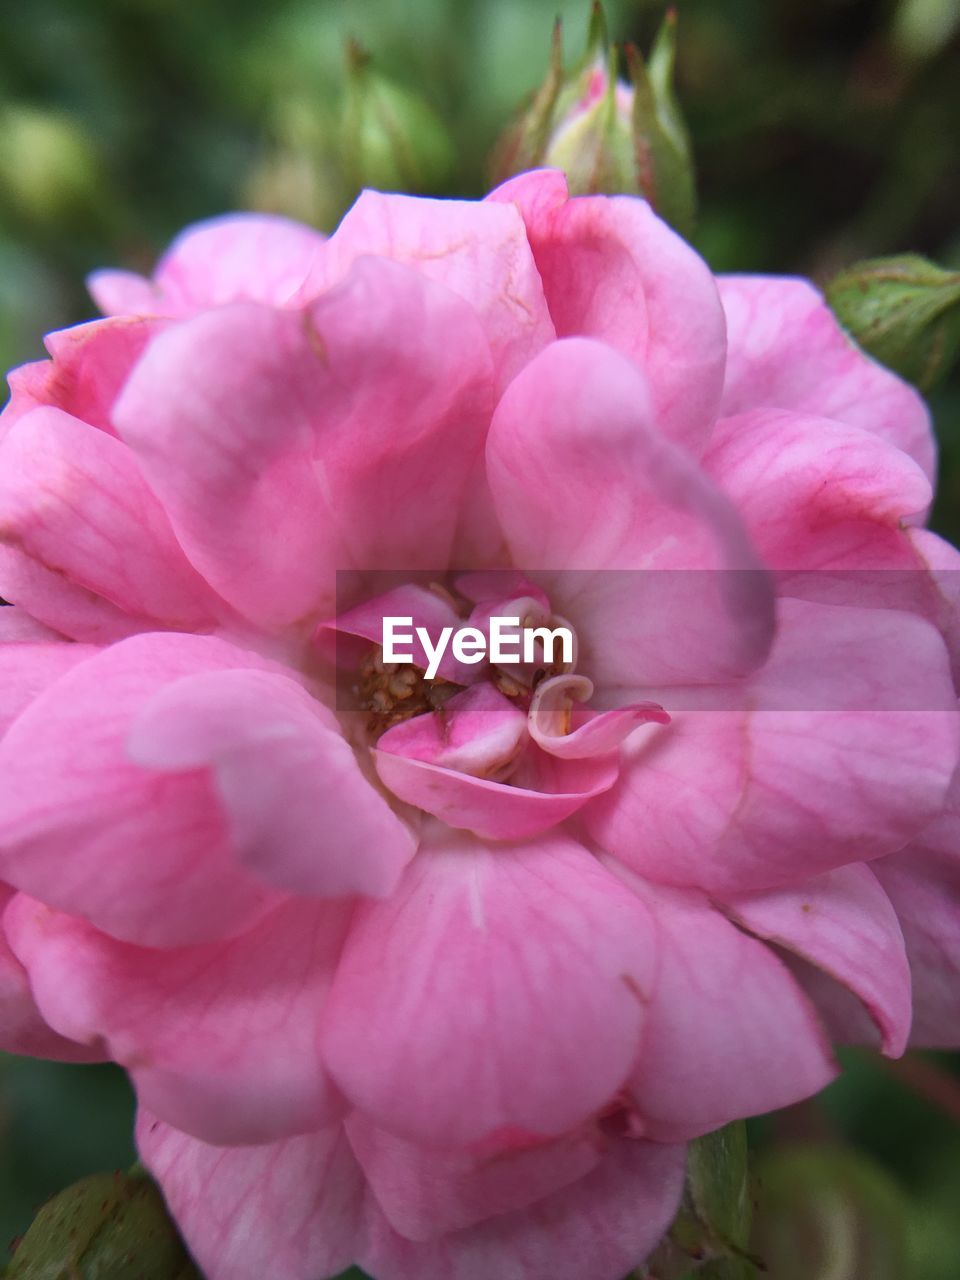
292,1209
728,1032
843,923
839,751
582,480
563,731
478,732
816,494
611,269
923,883
22,1027
73,500
301,815
331,441
89,365
143,855
254,256
601,1226
787,351
538,797
425,1192
31,657
478,250
220,1039
502,988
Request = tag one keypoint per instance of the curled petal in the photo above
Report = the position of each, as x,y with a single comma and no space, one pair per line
88,366
840,750
478,732
817,494
560,728
599,1226
542,792
345,432
426,1192
478,250
429,609
923,883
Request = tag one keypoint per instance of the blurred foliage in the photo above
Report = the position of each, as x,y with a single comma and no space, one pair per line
824,132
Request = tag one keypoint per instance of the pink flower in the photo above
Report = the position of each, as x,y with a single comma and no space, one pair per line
445,994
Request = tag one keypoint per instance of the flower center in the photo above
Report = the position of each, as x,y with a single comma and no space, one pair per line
455,642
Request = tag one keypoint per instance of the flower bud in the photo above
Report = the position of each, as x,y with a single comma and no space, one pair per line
108,1225
609,136
391,139
905,311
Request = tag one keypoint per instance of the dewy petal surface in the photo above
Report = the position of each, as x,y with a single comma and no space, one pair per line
524,971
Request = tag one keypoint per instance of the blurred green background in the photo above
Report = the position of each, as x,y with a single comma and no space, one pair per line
824,131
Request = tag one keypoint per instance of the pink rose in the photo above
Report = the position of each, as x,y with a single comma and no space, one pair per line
445,994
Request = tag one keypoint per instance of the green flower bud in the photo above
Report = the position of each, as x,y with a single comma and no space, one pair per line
711,1232
608,135
905,311
105,1227
391,138
660,138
